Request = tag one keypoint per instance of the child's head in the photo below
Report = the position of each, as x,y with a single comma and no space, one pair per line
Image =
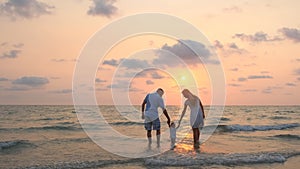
172,124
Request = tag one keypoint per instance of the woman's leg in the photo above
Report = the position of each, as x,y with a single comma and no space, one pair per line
196,135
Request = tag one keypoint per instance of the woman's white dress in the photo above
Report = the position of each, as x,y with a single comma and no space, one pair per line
196,115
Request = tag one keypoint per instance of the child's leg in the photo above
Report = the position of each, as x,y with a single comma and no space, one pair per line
173,140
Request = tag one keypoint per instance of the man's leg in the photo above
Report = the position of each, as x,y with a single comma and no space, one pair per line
148,127
156,126
149,137
158,137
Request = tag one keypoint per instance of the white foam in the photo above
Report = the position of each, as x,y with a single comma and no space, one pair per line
219,159
261,128
8,144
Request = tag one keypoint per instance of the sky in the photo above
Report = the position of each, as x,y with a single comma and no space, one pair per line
257,43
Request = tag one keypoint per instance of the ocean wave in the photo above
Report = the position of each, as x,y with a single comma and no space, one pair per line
284,111
288,136
126,123
82,164
53,128
225,119
14,143
50,119
280,118
219,159
237,127
173,159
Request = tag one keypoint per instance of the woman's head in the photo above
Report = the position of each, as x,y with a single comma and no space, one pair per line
186,93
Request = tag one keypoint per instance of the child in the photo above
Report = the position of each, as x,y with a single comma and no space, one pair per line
172,135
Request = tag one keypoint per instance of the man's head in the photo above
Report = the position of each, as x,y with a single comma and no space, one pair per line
160,91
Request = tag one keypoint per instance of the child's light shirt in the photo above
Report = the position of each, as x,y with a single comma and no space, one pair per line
172,132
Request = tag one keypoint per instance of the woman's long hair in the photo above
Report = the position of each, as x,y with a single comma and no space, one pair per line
193,99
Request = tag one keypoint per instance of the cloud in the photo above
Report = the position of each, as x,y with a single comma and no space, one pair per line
55,78
229,49
267,90
249,90
98,80
100,89
291,33
233,46
297,71
257,37
270,89
298,78
242,79
128,63
121,84
259,77
24,9
149,82
2,79
250,65
12,54
135,90
18,88
31,81
4,44
112,62
234,69
156,75
264,72
218,44
58,60
290,84
103,8
166,55
63,91
63,60
12,51
19,45
234,9
134,64
150,73
234,85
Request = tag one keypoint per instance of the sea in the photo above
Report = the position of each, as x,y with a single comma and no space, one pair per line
43,137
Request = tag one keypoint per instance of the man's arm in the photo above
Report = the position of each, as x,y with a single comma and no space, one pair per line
143,108
167,116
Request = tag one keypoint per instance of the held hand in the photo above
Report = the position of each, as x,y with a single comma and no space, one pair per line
178,125
143,116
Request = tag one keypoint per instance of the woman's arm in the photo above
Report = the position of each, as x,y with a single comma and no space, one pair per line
182,114
202,109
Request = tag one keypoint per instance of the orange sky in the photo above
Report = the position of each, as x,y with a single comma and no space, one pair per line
256,41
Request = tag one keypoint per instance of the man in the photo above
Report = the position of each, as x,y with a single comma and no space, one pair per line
152,102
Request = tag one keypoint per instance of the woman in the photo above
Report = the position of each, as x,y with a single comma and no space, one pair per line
196,115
